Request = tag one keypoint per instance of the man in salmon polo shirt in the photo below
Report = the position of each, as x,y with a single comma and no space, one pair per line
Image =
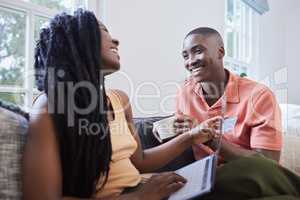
251,109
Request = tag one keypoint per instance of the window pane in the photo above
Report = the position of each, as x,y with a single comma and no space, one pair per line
54,4
12,47
238,13
15,98
230,44
237,51
39,22
230,66
230,10
60,5
81,3
227,65
249,31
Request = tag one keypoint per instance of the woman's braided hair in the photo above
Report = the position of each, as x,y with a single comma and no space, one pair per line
70,51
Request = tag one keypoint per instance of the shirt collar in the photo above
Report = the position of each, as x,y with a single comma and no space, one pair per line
231,91
232,88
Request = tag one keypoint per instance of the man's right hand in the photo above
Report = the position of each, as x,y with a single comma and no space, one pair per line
161,186
183,124
207,130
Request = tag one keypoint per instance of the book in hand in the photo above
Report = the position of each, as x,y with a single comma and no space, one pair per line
200,177
164,129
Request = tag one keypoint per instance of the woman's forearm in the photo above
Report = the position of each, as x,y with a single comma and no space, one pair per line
161,155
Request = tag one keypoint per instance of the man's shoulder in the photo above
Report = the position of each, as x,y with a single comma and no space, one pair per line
255,91
253,86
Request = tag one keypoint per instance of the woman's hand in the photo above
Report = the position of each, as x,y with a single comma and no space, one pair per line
206,131
161,186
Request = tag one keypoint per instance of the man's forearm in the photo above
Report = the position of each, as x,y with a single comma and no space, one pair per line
231,151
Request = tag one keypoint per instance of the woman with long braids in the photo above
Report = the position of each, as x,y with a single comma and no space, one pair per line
63,160
84,145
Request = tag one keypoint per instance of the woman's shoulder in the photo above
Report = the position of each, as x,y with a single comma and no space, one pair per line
123,100
41,130
39,106
40,98
121,95
40,119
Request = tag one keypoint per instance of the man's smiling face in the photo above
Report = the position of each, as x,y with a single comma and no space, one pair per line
201,56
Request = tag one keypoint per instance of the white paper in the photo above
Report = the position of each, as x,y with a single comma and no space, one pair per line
229,124
164,128
199,179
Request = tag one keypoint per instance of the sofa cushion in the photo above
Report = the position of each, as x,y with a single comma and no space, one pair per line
144,127
13,129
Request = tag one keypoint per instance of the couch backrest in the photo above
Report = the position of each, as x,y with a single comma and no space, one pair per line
144,127
13,131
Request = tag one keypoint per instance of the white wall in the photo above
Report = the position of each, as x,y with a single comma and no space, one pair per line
151,35
279,41
292,52
272,38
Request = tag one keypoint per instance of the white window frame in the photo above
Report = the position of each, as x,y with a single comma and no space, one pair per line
247,40
31,10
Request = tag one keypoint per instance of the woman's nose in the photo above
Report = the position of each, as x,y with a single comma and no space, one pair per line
115,41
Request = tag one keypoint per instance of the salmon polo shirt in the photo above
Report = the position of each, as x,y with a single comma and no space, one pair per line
252,105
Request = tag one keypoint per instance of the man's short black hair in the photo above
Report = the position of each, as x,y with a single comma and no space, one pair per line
206,32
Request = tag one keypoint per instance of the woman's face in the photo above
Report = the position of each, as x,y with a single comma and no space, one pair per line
109,51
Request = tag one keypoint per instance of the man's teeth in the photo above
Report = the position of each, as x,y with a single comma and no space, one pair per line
196,69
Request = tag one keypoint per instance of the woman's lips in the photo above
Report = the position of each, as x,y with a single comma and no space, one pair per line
116,52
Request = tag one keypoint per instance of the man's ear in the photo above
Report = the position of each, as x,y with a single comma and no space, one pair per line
221,52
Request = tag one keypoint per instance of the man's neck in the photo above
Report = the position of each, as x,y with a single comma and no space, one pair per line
214,90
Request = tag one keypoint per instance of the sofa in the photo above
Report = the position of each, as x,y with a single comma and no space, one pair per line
13,134
13,131
290,155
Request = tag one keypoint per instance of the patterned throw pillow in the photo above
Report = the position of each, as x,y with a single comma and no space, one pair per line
13,130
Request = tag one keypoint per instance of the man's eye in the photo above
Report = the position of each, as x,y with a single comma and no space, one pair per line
199,51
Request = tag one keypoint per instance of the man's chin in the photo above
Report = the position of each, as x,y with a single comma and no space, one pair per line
199,79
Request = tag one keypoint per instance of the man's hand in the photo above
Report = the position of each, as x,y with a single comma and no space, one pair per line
183,124
206,131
